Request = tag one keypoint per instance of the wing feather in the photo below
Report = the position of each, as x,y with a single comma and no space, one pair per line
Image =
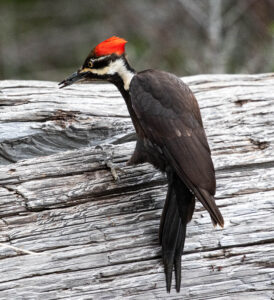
170,117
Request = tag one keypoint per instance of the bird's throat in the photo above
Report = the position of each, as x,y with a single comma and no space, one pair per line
124,71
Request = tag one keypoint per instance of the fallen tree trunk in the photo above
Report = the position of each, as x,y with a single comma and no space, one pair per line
69,231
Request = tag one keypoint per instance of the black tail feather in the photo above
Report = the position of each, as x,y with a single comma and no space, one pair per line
169,234
177,267
177,212
178,255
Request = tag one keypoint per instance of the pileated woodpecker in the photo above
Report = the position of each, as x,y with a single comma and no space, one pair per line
170,136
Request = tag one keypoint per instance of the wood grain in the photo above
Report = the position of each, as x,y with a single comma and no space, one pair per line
69,231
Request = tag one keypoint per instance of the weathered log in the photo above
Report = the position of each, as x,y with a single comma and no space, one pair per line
69,231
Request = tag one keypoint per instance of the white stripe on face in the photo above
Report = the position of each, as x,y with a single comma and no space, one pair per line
117,66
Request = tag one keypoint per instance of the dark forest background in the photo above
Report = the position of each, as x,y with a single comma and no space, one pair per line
47,40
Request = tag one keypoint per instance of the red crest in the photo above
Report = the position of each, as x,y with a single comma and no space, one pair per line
112,45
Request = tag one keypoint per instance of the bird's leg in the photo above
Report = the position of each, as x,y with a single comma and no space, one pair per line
113,169
108,162
138,154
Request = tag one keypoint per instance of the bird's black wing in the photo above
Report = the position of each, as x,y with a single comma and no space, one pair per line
170,117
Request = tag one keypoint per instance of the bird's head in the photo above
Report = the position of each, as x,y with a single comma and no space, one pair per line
105,62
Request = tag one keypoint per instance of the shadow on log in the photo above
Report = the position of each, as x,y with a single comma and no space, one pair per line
67,230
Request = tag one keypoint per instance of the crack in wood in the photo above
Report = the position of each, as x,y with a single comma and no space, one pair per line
18,193
260,144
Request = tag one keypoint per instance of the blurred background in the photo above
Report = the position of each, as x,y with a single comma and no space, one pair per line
47,40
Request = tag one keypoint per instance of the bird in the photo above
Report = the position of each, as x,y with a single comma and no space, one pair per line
170,136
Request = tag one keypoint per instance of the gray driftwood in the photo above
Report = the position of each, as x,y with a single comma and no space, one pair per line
69,231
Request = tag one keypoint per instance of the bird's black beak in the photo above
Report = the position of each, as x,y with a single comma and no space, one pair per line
73,78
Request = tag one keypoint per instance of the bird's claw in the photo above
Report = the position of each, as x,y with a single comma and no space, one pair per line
108,162
113,169
114,174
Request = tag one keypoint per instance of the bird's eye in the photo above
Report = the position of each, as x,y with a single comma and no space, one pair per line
90,64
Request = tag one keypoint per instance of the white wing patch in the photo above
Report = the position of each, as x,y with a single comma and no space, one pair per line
178,132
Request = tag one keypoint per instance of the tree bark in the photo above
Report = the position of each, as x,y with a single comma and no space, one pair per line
69,231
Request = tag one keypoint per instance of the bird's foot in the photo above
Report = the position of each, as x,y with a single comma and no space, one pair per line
108,162
114,168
